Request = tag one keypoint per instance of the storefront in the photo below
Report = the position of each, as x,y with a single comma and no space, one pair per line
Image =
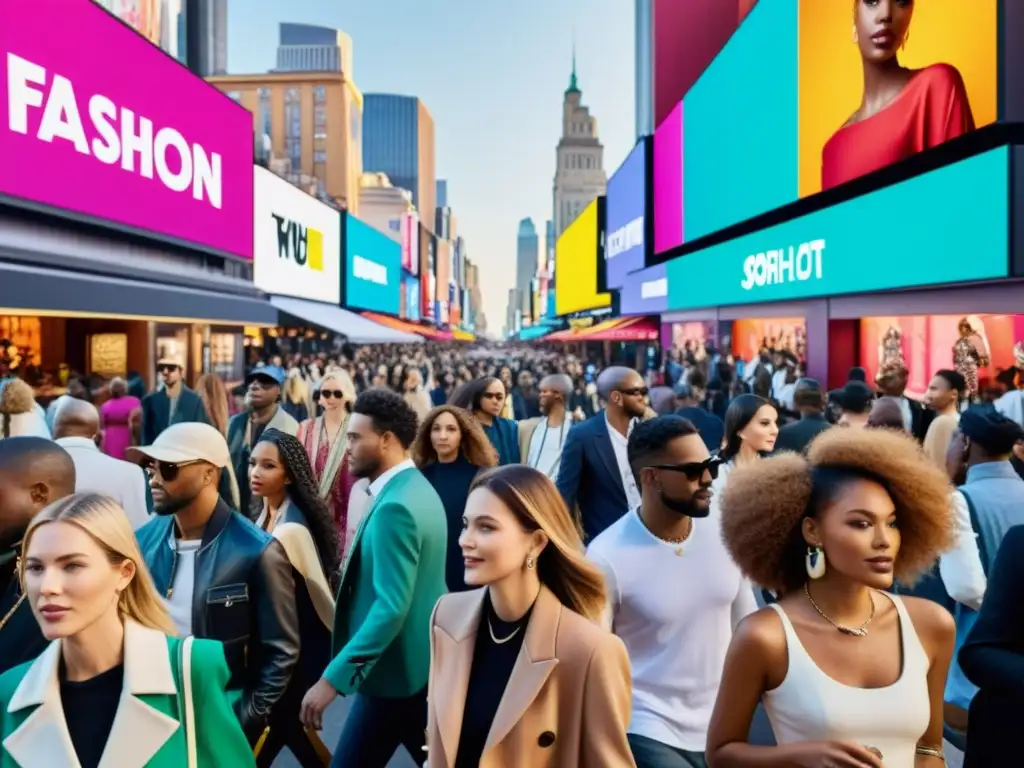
125,220
298,256
909,260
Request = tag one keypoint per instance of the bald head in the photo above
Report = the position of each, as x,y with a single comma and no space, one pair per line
76,418
557,382
624,391
617,377
34,472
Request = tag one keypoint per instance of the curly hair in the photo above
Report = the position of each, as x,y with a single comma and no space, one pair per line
764,503
16,397
474,444
390,413
304,493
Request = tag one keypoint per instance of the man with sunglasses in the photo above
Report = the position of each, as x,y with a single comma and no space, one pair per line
173,403
595,472
675,593
221,577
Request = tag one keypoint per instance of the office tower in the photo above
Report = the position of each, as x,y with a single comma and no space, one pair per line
527,255
206,36
398,140
442,193
308,48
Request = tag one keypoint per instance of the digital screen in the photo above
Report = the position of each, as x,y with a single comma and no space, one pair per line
645,292
576,262
373,268
625,209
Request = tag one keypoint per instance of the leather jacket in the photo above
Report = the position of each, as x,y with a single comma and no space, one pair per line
243,596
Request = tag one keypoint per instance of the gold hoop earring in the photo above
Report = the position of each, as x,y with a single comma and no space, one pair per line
529,563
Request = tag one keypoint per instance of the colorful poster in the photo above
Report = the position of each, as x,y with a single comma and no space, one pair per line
576,264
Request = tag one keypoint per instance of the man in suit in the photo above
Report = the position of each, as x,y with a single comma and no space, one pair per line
595,472
389,586
34,472
809,400
75,429
174,403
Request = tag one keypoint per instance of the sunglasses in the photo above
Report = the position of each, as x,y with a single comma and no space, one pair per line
329,393
494,395
634,392
694,470
166,368
263,382
168,470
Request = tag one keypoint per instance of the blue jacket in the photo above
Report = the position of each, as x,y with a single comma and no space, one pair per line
589,476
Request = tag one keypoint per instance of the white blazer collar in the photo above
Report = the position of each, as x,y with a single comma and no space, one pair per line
139,730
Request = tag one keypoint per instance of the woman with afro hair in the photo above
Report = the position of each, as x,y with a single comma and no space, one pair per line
849,674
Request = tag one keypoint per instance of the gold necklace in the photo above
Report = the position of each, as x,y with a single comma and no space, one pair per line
676,541
503,640
861,631
18,602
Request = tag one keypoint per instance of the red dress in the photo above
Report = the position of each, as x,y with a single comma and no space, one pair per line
931,109
341,489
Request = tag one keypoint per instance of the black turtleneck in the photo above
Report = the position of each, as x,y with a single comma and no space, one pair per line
492,667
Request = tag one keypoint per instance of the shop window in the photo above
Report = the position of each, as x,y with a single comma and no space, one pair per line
21,341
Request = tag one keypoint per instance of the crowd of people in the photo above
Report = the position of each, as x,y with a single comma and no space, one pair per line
511,557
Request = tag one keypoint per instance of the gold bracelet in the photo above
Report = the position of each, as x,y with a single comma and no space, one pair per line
930,752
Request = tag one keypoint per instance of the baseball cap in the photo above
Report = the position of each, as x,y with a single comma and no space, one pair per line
188,441
164,361
274,372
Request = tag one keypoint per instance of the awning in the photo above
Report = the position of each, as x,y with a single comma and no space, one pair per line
424,331
534,333
616,329
356,328
460,335
28,289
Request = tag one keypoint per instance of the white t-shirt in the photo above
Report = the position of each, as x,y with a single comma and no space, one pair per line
546,447
675,614
180,605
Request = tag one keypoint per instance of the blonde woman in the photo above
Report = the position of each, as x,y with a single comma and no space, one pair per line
113,688
521,673
325,440
416,394
296,397
214,394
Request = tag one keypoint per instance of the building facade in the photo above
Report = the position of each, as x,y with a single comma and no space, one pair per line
308,126
381,204
644,67
579,173
527,262
206,36
442,193
309,48
399,141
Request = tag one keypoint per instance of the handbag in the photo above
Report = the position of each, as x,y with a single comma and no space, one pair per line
185,702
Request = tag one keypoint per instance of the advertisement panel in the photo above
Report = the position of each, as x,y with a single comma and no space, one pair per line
373,268
625,221
576,261
667,184
816,127
645,292
428,280
836,250
409,234
443,274
162,22
87,133
412,299
298,241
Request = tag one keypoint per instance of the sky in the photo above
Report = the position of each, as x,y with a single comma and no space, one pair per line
493,75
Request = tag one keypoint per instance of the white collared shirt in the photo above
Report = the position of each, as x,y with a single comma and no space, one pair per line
620,445
95,472
378,485
960,568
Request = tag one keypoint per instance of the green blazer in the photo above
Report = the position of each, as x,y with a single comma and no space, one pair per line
147,731
390,583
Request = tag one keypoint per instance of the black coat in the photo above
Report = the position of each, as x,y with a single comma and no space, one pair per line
156,410
798,435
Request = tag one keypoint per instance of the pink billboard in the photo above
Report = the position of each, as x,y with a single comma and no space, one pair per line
667,187
101,123
409,230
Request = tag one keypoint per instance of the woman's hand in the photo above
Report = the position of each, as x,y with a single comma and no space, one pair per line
834,754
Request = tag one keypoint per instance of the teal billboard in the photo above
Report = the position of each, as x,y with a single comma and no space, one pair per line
946,226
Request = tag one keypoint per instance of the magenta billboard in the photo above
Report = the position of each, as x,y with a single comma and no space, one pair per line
667,187
102,124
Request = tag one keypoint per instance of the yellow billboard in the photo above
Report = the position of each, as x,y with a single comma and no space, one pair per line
576,260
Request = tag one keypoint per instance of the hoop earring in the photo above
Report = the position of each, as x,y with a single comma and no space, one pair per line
529,563
815,562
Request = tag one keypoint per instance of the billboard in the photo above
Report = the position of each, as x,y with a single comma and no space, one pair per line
86,132
645,292
428,278
162,22
442,272
836,250
576,260
625,217
373,268
412,298
816,126
297,241
667,184
409,234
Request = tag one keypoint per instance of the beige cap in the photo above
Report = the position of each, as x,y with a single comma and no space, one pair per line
168,361
181,443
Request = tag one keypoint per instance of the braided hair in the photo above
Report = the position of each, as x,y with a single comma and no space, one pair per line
304,493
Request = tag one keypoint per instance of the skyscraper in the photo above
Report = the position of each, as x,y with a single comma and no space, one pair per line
527,261
579,173
206,37
442,193
644,67
398,139
308,48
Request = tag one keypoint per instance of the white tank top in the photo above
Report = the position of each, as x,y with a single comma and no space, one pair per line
811,706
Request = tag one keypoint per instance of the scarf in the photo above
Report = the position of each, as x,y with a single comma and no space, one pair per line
334,458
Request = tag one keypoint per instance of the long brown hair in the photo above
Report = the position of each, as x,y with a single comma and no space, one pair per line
214,395
474,444
562,566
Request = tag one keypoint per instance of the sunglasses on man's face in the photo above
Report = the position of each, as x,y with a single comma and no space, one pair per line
634,391
166,368
168,470
694,470
263,382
